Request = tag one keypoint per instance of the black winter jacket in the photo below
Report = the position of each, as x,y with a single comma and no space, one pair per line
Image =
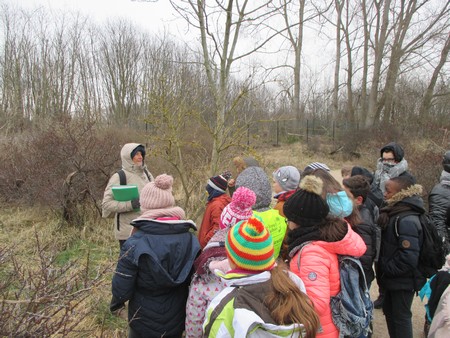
368,232
439,202
153,274
400,244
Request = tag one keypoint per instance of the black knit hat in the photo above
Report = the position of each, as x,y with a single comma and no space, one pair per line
140,148
219,183
306,206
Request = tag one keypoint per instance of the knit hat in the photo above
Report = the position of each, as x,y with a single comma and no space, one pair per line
157,194
140,148
446,161
240,208
249,246
256,180
316,165
306,206
219,183
288,177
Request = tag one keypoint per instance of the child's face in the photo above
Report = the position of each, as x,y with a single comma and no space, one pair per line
276,187
391,188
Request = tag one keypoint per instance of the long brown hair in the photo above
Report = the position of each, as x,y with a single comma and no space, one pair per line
334,229
288,304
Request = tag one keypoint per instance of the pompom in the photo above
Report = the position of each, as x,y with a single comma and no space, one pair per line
254,226
312,184
164,182
227,175
243,198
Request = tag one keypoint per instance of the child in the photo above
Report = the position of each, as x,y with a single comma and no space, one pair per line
155,266
262,299
217,200
315,240
285,183
205,285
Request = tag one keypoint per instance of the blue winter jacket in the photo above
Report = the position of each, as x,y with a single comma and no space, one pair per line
153,274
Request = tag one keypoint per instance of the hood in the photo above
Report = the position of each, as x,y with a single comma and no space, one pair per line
395,148
255,179
410,197
163,227
172,256
125,155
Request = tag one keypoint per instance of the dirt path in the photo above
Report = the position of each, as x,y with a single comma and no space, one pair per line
379,322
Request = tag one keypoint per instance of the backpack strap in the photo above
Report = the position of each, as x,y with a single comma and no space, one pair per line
300,253
148,175
357,262
122,177
403,214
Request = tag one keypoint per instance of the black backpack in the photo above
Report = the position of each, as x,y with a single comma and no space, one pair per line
432,254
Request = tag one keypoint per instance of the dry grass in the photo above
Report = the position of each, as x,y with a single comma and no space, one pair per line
94,251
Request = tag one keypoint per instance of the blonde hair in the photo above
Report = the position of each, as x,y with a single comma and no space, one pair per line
289,305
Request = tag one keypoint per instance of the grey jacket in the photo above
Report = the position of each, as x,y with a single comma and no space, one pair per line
439,202
123,212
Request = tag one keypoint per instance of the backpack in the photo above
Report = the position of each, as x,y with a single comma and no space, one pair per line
432,254
352,308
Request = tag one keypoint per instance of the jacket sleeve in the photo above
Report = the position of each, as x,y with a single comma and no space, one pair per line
109,205
211,223
123,282
438,204
368,234
406,257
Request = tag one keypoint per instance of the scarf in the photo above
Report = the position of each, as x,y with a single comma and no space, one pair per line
207,256
284,195
166,212
390,211
386,171
302,235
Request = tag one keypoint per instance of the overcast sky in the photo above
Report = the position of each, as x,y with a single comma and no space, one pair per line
153,17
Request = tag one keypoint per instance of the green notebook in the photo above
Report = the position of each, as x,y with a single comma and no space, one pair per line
125,192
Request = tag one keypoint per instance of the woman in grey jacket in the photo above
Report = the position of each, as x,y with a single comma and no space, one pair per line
136,173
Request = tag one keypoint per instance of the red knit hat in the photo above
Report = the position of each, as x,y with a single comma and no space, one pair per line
239,209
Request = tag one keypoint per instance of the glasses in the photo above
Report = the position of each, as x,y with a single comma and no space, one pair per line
390,160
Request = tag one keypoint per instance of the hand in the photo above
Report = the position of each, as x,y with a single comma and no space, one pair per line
231,182
121,313
135,203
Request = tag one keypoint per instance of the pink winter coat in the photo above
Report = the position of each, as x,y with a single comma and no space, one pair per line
319,270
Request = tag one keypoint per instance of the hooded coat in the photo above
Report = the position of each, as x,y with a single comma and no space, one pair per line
153,274
401,240
123,212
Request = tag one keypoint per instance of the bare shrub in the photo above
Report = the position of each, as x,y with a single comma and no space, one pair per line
41,298
64,165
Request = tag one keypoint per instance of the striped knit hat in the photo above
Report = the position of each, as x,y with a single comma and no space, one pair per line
249,246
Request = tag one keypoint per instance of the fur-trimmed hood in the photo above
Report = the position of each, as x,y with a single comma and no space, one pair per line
411,196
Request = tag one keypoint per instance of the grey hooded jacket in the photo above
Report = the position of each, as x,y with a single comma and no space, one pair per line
123,212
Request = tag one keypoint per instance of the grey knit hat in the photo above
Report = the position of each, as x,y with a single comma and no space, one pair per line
288,177
255,179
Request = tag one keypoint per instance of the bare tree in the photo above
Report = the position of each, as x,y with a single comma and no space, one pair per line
221,26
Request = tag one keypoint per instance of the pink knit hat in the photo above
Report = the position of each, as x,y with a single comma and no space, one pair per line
157,194
239,209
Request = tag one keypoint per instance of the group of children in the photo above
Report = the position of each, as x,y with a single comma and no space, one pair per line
253,269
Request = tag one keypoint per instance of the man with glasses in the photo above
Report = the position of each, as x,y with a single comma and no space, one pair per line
391,164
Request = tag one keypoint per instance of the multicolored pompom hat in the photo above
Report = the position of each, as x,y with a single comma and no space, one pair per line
249,246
